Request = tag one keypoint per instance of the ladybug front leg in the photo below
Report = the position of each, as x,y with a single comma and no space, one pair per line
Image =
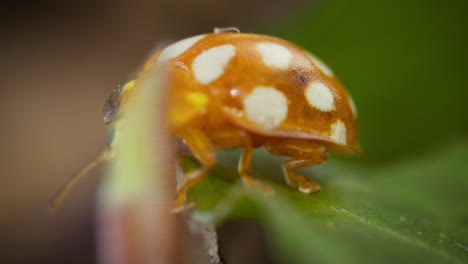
201,147
303,154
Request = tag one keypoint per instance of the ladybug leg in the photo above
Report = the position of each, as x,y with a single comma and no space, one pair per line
303,154
201,147
231,137
304,184
245,168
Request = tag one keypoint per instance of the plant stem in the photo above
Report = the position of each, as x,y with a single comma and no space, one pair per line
134,220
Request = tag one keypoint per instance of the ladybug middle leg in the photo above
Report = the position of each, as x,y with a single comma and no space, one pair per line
302,154
202,149
245,168
232,137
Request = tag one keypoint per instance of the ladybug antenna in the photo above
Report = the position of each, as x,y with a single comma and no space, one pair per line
58,197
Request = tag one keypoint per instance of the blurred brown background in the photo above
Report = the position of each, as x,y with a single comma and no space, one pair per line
59,61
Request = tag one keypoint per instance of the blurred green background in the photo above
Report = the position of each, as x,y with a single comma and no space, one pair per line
404,62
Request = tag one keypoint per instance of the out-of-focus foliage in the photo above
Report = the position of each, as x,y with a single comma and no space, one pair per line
405,64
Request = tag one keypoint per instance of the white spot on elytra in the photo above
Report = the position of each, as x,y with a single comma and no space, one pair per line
266,106
320,64
320,96
209,65
177,48
338,134
275,55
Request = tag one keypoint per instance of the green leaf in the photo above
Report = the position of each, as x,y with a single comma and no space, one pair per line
411,212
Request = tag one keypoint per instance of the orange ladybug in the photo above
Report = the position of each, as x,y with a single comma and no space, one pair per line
230,89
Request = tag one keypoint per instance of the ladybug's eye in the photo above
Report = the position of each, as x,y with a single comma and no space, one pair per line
112,105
